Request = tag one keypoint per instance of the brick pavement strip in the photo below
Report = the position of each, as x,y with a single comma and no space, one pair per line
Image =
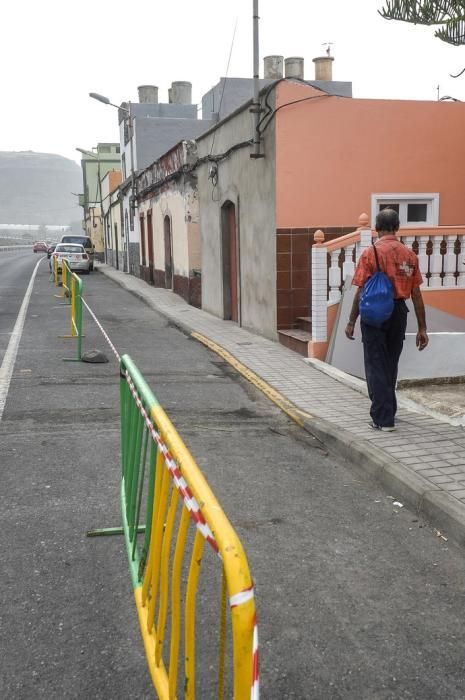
332,421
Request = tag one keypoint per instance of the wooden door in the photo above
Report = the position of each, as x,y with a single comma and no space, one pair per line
150,262
230,262
115,227
232,236
168,254
142,241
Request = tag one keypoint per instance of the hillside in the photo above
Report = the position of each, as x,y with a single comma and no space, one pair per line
35,188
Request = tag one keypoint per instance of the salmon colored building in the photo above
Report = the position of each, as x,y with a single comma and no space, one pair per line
338,157
327,159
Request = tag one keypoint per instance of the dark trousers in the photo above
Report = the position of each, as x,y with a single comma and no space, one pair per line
381,350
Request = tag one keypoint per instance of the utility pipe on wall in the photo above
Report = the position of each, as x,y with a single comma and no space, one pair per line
256,108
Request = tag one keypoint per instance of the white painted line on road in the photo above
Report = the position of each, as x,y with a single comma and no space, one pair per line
6,370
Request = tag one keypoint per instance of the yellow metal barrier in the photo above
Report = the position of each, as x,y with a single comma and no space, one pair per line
66,275
55,271
72,288
157,464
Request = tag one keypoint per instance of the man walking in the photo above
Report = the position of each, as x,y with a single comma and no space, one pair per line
382,347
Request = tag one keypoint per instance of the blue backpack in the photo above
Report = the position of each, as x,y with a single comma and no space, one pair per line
377,299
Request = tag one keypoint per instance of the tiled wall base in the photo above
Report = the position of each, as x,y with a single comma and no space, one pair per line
293,266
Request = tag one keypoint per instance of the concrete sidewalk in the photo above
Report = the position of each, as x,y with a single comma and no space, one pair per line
423,462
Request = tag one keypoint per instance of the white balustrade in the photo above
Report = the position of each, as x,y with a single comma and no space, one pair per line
335,277
436,263
450,261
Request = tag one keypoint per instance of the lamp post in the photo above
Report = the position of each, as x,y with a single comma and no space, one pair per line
132,202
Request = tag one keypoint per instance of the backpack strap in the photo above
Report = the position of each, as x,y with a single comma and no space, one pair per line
376,258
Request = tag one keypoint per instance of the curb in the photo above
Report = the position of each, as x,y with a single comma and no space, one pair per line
437,507
441,510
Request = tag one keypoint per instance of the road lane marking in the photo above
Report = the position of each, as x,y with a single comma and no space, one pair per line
6,370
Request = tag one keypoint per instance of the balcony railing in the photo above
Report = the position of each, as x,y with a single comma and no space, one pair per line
441,256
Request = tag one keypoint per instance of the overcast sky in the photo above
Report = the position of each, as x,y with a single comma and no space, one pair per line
53,53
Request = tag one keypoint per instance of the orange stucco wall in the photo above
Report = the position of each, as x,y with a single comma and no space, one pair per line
452,301
115,179
332,153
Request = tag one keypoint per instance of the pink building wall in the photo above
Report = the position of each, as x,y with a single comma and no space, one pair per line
332,153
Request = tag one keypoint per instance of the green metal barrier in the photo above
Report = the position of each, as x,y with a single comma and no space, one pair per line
163,492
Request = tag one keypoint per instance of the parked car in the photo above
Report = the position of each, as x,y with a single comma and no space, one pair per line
85,242
39,247
75,255
50,249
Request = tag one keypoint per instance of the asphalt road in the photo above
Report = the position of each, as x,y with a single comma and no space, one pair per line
356,598
15,270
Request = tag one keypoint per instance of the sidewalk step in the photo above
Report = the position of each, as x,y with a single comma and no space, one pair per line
295,339
304,323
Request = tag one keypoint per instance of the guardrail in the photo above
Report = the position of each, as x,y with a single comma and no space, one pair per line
160,477
6,248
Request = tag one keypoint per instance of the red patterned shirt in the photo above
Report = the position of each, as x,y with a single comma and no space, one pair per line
398,262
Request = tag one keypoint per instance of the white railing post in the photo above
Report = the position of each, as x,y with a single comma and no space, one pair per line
366,235
348,267
408,241
461,263
319,288
436,263
423,258
335,277
450,261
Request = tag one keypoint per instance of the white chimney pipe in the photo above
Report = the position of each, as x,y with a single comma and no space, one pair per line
294,67
273,67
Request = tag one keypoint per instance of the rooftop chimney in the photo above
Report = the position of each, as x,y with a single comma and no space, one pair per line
323,67
148,94
181,92
294,67
273,67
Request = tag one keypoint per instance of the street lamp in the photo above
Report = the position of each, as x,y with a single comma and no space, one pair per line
132,202
127,110
87,153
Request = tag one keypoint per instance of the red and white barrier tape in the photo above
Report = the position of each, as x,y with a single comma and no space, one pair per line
178,479
197,516
104,333
255,692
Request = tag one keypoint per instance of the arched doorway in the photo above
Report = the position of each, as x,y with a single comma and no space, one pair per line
142,242
230,266
168,253
126,266
150,260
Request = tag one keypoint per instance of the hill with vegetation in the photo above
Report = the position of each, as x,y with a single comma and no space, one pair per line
36,188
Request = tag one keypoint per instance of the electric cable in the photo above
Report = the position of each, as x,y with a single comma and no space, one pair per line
225,80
